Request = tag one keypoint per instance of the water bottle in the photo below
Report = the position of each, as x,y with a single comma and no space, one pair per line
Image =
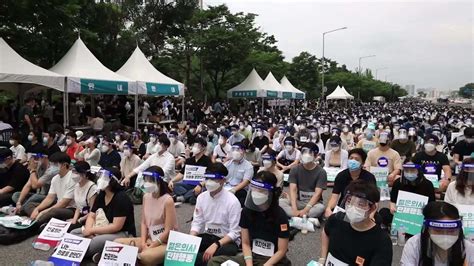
304,222
394,235
401,236
41,246
41,263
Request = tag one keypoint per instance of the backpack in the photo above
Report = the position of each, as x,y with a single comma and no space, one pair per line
135,195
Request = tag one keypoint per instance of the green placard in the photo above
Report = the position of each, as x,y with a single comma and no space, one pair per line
93,86
181,249
272,94
244,94
467,214
409,212
161,89
287,95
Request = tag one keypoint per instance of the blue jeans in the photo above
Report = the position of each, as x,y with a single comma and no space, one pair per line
185,190
32,197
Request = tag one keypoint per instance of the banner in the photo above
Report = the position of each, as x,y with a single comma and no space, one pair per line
52,234
71,250
409,212
118,254
467,214
182,249
194,174
381,174
332,172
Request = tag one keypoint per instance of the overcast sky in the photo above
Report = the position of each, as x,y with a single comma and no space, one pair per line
425,43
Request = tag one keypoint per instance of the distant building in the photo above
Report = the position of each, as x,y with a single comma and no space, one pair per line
410,90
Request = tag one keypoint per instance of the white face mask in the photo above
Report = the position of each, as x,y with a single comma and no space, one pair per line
259,133
221,141
236,155
195,150
45,140
12,142
212,185
152,139
429,147
172,139
354,214
445,242
104,148
117,138
30,138
289,147
127,153
149,187
259,198
307,158
76,178
267,164
102,184
68,142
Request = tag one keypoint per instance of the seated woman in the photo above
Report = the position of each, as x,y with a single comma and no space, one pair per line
158,219
441,241
336,156
264,226
461,191
269,164
111,216
85,193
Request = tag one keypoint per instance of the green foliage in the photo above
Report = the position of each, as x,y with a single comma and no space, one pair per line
467,91
182,41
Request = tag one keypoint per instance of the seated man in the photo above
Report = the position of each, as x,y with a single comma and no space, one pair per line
13,176
110,156
61,192
307,182
353,238
177,148
289,157
221,153
385,157
42,171
218,226
188,191
240,172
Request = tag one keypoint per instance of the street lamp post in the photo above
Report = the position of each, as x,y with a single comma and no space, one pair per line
377,70
324,62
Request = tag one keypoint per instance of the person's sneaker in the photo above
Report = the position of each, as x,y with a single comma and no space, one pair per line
96,258
180,199
176,204
293,233
315,221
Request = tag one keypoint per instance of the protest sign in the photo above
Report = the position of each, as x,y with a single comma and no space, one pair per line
182,249
52,233
409,212
118,254
467,214
381,174
433,179
71,250
331,173
194,174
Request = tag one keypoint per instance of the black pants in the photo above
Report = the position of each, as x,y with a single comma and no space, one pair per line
207,240
6,199
241,195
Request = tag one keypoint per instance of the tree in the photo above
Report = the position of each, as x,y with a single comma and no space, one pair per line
467,91
303,73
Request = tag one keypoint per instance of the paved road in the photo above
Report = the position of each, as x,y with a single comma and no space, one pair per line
302,249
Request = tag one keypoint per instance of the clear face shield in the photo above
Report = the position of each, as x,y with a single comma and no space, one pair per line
410,172
469,170
357,207
259,196
443,233
104,179
267,161
384,138
213,181
150,182
307,155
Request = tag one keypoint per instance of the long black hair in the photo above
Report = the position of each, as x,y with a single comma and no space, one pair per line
437,210
163,186
461,180
272,212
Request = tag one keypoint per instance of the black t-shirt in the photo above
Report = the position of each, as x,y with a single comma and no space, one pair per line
343,179
111,159
436,161
425,188
119,206
36,148
203,161
16,176
25,110
265,228
371,247
142,150
260,142
463,149
52,149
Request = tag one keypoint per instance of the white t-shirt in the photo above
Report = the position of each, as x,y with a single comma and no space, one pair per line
284,154
222,152
63,187
18,152
83,193
178,149
454,197
151,148
411,252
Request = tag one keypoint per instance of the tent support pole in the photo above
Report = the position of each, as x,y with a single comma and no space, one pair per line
135,124
263,105
182,109
65,105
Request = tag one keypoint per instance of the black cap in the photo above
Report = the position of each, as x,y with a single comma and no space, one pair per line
469,132
200,141
60,157
82,167
4,153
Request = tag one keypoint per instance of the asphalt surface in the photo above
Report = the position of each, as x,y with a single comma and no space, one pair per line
302,249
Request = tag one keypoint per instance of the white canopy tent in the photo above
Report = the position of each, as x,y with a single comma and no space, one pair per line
85,74
339,94
251,87
16,69
273,87
347,93
295,93
149,80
